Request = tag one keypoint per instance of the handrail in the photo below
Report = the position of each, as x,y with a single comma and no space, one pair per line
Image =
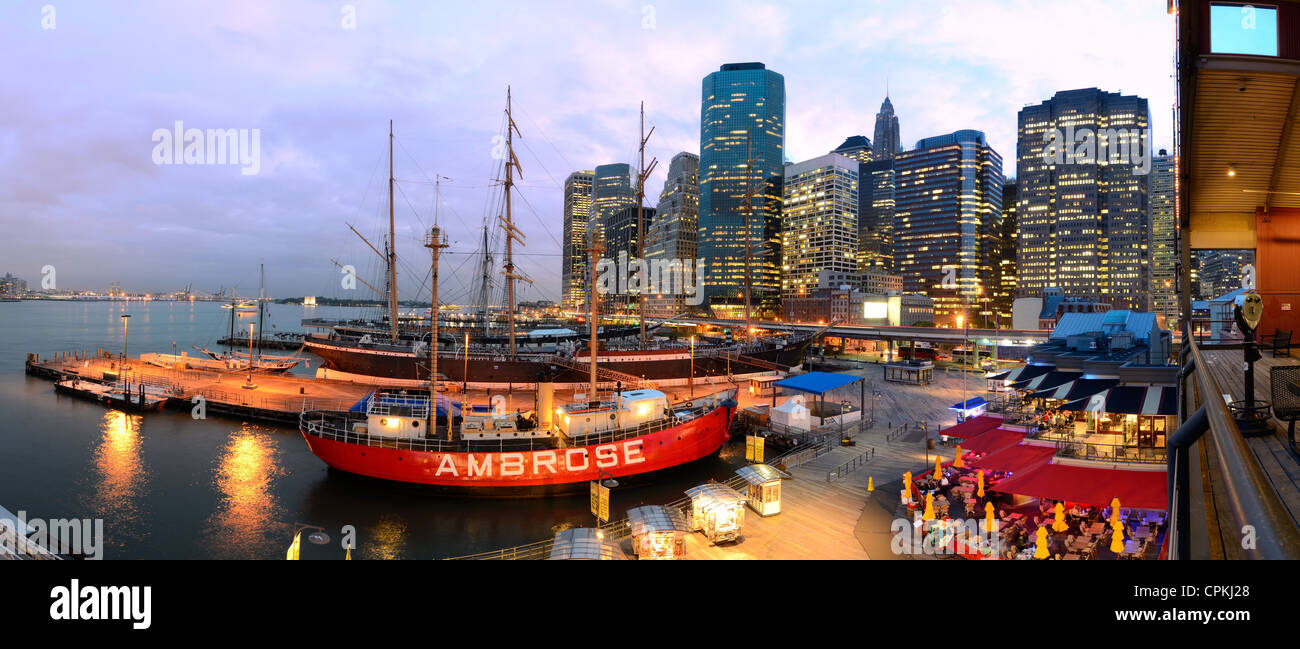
850,466
1251,498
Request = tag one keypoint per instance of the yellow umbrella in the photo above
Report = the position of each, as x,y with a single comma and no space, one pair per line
1114,512
907,481
1060,525
1117,541
929,508
981,484
938,468
871,486
957,462
1040,552
989,523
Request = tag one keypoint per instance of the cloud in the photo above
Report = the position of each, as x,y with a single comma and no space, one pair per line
77,185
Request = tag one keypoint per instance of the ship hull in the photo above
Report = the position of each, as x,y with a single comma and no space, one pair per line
648,366
535,472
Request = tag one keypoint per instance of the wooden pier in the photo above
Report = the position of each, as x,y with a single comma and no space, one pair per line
272,397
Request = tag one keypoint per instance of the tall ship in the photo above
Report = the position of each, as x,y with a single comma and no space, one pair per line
395,348
429,439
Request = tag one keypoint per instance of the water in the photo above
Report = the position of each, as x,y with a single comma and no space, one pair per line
170,487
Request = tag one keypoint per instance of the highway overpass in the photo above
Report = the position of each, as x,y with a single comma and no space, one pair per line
1003,337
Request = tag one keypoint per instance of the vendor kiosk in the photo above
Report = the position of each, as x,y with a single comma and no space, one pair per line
764,487
658,532
717,511
585,543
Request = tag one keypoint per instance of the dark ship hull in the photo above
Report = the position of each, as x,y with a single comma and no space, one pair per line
655,365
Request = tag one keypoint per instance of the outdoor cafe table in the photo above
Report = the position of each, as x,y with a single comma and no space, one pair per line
1096,528
1142,532
1131,546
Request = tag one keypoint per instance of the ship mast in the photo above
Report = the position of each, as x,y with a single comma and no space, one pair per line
435,244
392,243
642,174
593,310
512,233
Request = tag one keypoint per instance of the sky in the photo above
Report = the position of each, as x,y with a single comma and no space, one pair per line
88,84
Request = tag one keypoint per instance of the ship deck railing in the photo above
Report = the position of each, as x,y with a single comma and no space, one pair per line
320,424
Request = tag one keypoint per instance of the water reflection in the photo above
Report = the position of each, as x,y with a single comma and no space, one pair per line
388,539
247,523
120,477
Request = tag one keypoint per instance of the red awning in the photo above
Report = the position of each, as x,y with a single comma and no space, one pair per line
972,427
1015,459
1095,487
992,441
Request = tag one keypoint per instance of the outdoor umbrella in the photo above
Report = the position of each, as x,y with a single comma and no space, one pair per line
1060,525
981,486
989,524
938,468
1117,542
1041,551
929,508
957,462
1114,512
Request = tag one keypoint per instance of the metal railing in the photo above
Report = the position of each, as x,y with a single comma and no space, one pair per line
1248,495
851,465
1117,453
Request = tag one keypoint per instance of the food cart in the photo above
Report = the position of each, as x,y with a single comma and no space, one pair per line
717,510
584,543
658,532
764,487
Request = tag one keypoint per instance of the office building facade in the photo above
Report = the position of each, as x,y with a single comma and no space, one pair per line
574,257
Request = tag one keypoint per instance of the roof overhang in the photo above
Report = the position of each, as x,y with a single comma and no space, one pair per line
1239,153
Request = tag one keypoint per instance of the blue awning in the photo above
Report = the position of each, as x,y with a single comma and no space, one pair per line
817,382
969,404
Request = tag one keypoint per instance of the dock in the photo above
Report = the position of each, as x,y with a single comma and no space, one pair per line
278,398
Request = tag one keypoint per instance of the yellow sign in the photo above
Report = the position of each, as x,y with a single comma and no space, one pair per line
600,501
754,446
292,554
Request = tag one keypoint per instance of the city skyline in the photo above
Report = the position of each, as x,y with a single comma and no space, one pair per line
89,184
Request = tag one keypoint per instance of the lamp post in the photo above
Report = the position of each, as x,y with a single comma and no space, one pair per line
126,331
464,383
606,480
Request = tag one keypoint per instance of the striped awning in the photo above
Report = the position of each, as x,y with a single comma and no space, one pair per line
1130,400
1052,380
1027,374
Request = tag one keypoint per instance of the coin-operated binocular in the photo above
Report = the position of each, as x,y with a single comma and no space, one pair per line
1251,415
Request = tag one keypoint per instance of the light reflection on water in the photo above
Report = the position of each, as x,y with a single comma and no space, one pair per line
120,477
248,515
387,539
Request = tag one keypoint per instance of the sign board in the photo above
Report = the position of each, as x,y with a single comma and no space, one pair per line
754,445
600,501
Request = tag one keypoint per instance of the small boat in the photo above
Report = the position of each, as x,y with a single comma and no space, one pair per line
142,398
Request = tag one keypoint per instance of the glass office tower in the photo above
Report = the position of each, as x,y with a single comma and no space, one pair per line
742,133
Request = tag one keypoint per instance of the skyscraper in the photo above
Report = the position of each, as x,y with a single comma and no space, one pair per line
876,188
1083,163
742,133
1004,288
947,221
888,142
1164,240
818,222
674,232
621,245
1224,271
611,192
577,212
858,147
